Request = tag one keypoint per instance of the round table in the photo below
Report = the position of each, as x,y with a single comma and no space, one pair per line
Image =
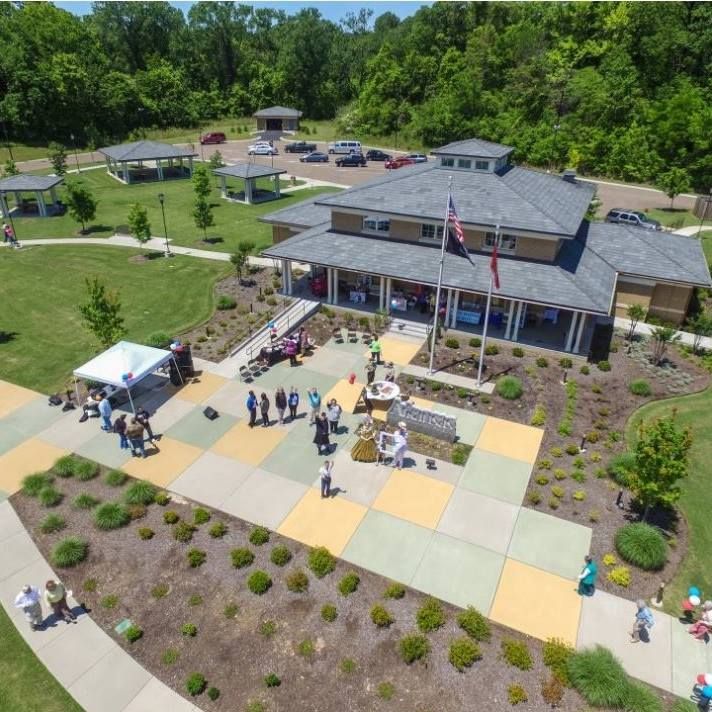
387,391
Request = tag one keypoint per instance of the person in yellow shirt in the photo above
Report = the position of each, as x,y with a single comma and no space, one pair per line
55,597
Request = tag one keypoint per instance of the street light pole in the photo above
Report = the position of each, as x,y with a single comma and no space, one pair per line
76,157
162,198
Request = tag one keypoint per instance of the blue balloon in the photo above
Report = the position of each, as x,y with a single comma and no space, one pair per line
271,325
693,591
124,376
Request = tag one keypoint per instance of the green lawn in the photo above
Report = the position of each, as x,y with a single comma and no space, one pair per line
706,237
673,218
26,683
696,500
43,286
233,222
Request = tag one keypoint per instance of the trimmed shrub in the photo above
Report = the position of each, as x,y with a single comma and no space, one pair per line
162,499
474,624
475,342
272,680
321,561
558,492
554,503
64,467
259,536
584,370
460,453
190,630
231,610
541,362
463,653
86,470
69,552
111,515
329,613
534,497
491,350
347,665
280,555
556,654
133,633
170,656
268,628
201,516
145,533
109,602
115,478
213,693
430,615
641,545
452,343
33,484
218,530
394,590
386,690
50,497
517,654
52,523
259,582
349,583
195,684
183,532
620,575
381,616
160,590
518,352
241,557
159,340
538,416
516,694
566,362
413,647
225,302
196,557
170,517
604,365
195,599
579,495
85,501
297,581
542,480
509,387
621,467
640,387
552,690
140,492
306,648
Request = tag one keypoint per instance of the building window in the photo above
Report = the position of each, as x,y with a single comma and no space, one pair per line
507,243
482,165
430,231
447,162
378,225
464,163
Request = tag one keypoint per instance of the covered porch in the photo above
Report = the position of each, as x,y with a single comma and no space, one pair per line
259,183
145,161
36,203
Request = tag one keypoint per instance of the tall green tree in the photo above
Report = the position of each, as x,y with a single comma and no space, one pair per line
58,158
81,203
636,313
203,215
101,313
674,182
139,226
662,337
201,181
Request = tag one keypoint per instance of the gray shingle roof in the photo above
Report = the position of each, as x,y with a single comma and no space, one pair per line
475,147
277,112
305,214
247,170
518,198
145,151
29,182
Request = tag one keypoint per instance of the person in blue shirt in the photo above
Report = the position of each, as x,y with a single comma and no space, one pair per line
293,403
587,577
314,404
644,621
105,412
251,405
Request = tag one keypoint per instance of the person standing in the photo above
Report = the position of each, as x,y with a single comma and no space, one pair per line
290,349
120,429
325,472
142,416
644,621
321,434
280,401
314,404
29,601
333,413
251,404
587,577
375,350
135,435
264,409
701,629
55,596
105,413
400,445
370,372
293,403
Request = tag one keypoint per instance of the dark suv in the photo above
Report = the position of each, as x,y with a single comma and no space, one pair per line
376,155
300,147
352,159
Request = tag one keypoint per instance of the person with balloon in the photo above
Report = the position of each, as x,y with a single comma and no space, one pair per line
701,628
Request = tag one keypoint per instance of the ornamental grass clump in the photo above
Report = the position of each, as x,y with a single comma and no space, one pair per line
642,545
218,530
64,467
70,552
241,557
170,517
50,497
195,684
280,555
196,557
297,581
183,532
259,536
140,492
33,484
381,617
349,583
321,561
640,387
85,501
517,654
394,590
115,478
133,633
329,613
201,516
413,647
474,624
86,470
111,515
259,582
430,615
52,523
509,387
463,653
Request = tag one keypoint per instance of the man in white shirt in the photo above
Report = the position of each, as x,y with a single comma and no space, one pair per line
29,601
105,412
400,445
325,472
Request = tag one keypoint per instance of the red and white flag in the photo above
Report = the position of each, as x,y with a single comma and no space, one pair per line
493,267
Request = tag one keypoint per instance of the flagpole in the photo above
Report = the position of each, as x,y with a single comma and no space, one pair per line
483,345
434,333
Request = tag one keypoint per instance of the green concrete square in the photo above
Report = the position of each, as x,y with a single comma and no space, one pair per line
552,544
358,348
301,377
469,423
31,418
496,476
690,657
104,448
388,546
10,437
462,574
334,363
196,429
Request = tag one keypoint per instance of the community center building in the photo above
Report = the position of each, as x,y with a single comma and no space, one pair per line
562,277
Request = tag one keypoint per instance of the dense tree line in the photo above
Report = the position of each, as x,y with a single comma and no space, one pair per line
623,89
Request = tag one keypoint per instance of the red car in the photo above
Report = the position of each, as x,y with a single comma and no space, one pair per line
214,137
399,162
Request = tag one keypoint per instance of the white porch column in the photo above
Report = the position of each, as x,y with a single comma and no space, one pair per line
285,280
455,304
127,173
448,302
381,292
276,186
335,290
572,329
328,285
159,167
190,166
41,204
517,321
579,333
108,165
223,186
387,305
510,318
248,190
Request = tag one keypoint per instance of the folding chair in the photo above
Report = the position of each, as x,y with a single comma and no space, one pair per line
352,336
337,335
245,373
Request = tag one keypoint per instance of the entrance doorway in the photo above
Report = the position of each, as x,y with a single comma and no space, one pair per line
274,124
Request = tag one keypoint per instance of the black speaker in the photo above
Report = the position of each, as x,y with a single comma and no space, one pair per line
210,413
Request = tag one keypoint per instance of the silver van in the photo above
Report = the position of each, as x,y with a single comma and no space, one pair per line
632,217
345,147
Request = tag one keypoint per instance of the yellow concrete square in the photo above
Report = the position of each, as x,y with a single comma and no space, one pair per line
197,389
399,351
421,403
503,437
31,456
415,497
346,394
326,522
12,397
537,603
164,466
249,445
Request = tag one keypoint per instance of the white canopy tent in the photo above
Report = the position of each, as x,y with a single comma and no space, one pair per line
124,365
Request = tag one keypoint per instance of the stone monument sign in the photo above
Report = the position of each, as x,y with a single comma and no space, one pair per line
428,422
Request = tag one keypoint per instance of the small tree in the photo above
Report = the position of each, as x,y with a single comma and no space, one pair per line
203,215
201,181
242,256
102,313
636,313
662,336
10,168
700,326
216,160
81,203
661,460
58,158
674,182
139,226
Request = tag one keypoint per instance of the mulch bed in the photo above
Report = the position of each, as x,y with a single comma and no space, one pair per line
235,656
602,414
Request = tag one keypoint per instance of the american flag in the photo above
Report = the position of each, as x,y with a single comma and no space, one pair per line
454,220
455,242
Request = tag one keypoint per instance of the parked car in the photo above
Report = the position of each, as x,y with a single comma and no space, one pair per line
262,149
417,157
376,155
213,137
314,157
300,147
353,159
399,162
632,217
345,147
